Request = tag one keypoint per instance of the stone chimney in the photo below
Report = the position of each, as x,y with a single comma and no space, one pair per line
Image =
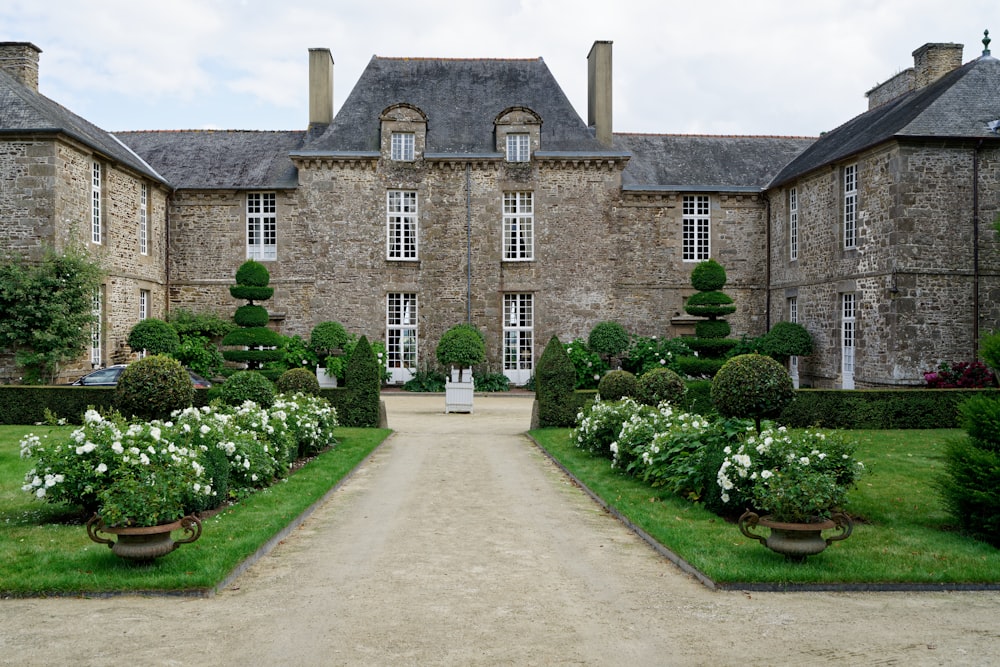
20,60
320,87
599,91
930,63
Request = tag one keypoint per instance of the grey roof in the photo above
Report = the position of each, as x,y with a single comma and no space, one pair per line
957,106
220,159
461,98
26,111
696,162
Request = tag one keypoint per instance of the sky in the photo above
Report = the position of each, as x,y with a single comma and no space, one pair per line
739,67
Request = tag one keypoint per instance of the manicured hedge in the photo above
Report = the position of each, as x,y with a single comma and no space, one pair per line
25,404
877,408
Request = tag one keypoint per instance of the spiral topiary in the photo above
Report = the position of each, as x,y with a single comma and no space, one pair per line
247,386
661,384
153,335
752,385
153,387
300,380
616,385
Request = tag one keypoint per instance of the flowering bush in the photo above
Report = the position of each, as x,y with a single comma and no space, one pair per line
310,421
795,477
600,423
637,433
671,457
645,354
588,364
962,375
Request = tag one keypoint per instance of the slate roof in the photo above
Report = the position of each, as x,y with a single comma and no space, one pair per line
220,159
957,106
461,98
706,163
26,111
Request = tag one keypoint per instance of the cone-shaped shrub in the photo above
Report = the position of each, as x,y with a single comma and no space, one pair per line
363,379
555,382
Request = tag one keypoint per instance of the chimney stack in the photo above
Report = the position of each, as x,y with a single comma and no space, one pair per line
20,60
320,87
599,91
930,63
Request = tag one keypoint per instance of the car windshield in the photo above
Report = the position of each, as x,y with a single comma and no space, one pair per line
103,376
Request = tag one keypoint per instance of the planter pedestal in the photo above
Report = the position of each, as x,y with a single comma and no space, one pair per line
459,390
146,542
325,381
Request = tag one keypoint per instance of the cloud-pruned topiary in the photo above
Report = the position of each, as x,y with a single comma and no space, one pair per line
462,345
661,384
616,385
244,386
153,387
752,386
710,341
154,336
260,343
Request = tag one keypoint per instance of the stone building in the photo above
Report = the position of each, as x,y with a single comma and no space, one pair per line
448,190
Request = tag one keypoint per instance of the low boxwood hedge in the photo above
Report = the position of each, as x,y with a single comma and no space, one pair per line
877,408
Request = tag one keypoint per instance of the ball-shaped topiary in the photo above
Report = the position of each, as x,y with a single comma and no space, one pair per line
616,385
661,384
153,387
608,339
298,380
247,386
752,385
786,339
326,337
251,316
253,274
708,276
153,335
462,345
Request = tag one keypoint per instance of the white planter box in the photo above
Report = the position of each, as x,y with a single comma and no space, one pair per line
325,381
458,391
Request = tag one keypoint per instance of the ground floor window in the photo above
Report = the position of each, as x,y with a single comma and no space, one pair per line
793,362
847,340
518,336
401,335
96,333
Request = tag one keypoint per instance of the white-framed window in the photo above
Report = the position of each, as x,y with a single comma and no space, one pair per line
401,146
793,224
96,333
793,361
143,219
518,336
848,339
262,226
96,178
518,226
401,224
697,228
401,335
518,147
143,304
851,206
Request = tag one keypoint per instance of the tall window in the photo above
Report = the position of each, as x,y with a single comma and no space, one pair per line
143,304
143,219
851,206
401,224
793,224
847,340
95,203
696,228
262,223
401,146
97,308
518,336
401,333
518,147
793,316
518,226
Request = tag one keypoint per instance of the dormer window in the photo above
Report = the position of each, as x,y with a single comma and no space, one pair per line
402,147
518,147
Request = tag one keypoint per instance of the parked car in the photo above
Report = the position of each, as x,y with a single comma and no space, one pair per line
108,377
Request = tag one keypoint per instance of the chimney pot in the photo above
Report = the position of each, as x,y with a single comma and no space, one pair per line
599,91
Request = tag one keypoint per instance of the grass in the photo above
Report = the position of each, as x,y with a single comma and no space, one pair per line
44,548
902,536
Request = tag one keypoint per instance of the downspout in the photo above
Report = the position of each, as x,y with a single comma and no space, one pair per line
767,262
975,250
468,243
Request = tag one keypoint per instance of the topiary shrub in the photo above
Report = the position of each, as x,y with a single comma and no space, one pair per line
555,379
989,350
300,380
712,329
608,339
251,316
153,387
154,336
709,304
462,345
260,342
253,274
247,386
363,378
708,276
616,385
786,339
661,384
326,337
752,385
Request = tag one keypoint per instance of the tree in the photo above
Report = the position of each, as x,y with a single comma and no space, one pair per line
752,385
260,343
608,339
154,336
462,345
47,310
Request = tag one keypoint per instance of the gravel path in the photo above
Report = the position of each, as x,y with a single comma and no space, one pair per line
458,543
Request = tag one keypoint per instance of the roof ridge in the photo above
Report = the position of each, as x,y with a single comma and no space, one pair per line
716,136
456,59
210,130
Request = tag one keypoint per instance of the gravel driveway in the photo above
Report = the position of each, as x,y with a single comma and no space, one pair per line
459,543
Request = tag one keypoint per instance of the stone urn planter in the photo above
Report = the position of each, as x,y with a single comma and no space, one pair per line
796,541
144,543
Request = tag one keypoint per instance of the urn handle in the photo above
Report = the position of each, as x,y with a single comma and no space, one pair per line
845,526
748,521
191,525
94,526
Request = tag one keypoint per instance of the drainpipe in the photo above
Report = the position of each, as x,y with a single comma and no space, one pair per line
975,250
767,262
468,243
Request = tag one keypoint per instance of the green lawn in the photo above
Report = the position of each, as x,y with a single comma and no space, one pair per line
902,533
44,548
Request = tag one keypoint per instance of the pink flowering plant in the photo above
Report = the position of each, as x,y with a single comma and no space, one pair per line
793,476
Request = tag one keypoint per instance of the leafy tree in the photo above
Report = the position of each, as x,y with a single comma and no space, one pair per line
608,339
461,345
752,385
153,335
46,310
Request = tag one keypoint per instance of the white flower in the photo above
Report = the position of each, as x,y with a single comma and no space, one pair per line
102,467
205,430
804,460
154,432
663,361
40,492
766,474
